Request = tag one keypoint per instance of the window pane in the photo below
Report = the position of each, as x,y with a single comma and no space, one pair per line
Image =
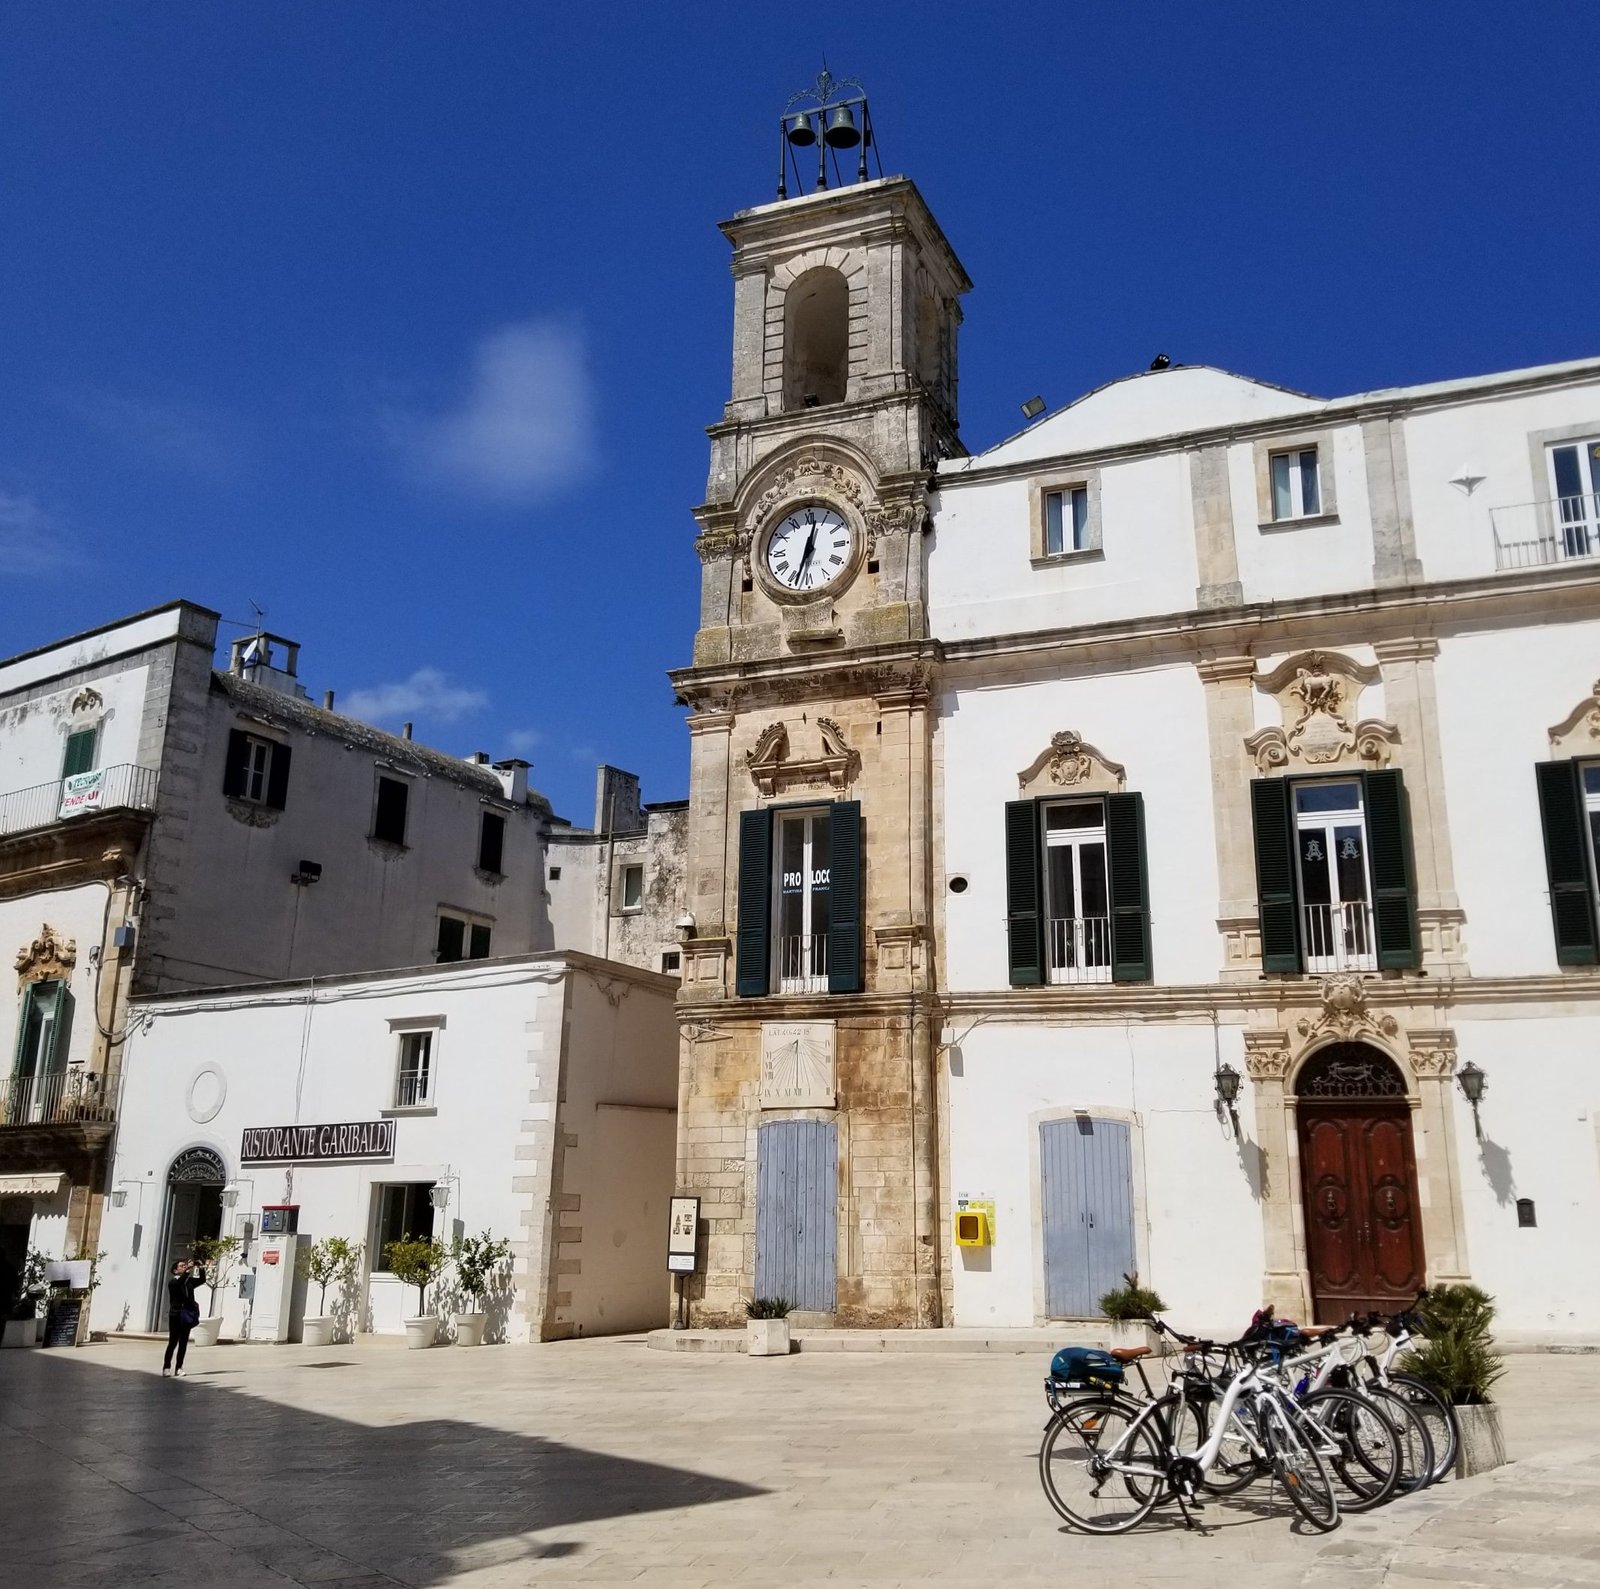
1092,862
1061,900
1282,500
1080,518
1350,849
1591,779
491,842
1053,542
1327,797
632,887
478,942
791,876
1310,495
389,820
821,881
1569,481
1316,882
452,938
1080,814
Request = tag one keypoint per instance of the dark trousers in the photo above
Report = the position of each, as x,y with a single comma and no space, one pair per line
178,1329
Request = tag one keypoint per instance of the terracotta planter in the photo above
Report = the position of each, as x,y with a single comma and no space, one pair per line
1482,1446
468,1328
767,1337
317,1330
205,1333
421,1333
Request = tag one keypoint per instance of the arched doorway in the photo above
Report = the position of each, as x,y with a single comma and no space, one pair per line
193,1213
1358,1181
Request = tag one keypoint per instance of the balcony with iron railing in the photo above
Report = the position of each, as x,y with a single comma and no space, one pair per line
1539,534
125,787
1079,948
1339,937
72,1097
803,963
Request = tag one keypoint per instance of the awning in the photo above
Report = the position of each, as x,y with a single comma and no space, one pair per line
30,1185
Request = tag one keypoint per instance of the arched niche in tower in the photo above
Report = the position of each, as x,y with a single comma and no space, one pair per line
816,339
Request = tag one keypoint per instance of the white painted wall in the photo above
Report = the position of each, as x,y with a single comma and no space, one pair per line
1152,722
33,732
77,914
91,650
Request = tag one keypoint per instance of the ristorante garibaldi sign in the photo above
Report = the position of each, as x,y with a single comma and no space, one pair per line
349,1142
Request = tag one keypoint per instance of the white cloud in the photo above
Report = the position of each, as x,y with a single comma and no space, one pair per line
31,541
525,425
427,695
523,740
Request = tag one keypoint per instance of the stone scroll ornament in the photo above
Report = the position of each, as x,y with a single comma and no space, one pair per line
772,768
1318,693
1069,763
48,958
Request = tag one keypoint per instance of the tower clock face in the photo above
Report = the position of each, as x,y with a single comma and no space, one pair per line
810,548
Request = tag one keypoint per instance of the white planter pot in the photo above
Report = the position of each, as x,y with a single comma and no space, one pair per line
1131,1334
317,1330
1483,1446
767,1337
421,1333
20,1332
468,1328
205,1333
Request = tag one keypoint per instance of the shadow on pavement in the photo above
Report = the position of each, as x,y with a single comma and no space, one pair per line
231,1487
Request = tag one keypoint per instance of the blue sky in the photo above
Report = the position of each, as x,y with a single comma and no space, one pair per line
404,319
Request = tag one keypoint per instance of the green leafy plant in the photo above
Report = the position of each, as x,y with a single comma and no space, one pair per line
769,1308
1128,1304
479,1261
217,1255
1458,1357
416,1263
333,1260
29,1300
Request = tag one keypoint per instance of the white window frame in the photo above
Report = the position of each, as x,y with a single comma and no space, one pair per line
1087,540
1575,521
1270,448
1077,947
1340,935
625,870
1291,465
800,961
1591,810
1066,519
257,770
468,921
423,1091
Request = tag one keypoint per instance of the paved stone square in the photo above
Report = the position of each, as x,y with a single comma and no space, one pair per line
602,1462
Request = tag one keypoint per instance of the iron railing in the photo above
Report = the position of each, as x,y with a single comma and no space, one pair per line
61,1097
1535,534
803,963
1339,938
1080,948
125,787
412,1091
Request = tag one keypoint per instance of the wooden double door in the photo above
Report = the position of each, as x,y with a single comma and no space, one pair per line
1363,1231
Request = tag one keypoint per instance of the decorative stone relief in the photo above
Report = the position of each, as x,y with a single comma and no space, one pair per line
1070,763
1579,732
773,769
1433,1054
799,1063
1345,1014
86,702
809,472
1266,1055
1318,694
49,958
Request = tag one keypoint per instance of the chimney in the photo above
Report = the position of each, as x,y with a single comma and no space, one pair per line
514,779
405,731
327,700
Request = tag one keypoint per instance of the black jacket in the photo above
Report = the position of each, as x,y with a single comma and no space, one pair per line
181,1289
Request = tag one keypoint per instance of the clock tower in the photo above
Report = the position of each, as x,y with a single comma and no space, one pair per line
808,1119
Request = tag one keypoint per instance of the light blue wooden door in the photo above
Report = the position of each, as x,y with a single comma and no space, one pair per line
797,1198
1087,1170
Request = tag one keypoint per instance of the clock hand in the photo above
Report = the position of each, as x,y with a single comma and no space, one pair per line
805,558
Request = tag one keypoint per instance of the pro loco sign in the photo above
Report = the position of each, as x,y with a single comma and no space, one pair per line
338,1144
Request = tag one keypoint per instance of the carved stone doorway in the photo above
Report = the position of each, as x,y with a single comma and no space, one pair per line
1358,1183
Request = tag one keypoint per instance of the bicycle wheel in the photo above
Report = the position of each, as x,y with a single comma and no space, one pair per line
1292,1454
1099,1472
1439,1415
1361,1449
1236,1466
1416,1444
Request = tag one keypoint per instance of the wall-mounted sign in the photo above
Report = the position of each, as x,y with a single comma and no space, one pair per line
81,792
682,1223
797,1065
349,1143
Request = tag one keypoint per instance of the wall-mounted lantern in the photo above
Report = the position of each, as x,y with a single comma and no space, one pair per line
1474,1084
1227,1081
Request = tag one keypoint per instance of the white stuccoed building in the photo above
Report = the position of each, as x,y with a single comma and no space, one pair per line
1268,750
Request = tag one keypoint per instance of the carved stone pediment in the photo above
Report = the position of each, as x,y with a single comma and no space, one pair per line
810,471
87,701
49,958
773,769
1345,1014
1579,732
1318,694
1266,1054
1069,763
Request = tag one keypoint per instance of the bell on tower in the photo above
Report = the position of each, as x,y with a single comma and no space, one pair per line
833,118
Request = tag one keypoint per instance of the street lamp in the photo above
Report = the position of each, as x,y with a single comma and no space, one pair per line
1474,1084
1226,1080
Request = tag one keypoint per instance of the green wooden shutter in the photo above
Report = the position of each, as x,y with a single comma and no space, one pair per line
80,752
1130,888
844,897
234,767
27,1019
1394,901
1024,886
60,1047
1566,859
278,777
753,960
1274,839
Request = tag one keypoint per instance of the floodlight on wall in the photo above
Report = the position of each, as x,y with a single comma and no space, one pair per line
1033,408
1473,1084
841,117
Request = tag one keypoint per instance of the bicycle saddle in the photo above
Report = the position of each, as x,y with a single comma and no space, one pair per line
1129,1354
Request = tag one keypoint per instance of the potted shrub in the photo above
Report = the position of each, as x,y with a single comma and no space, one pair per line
480,1267
1459,1359
24,1320
218,1256
766,1329
1127,1308
417,1263
331,1261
